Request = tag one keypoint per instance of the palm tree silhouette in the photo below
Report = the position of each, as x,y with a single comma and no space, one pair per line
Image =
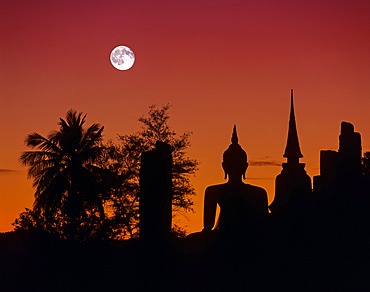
68,182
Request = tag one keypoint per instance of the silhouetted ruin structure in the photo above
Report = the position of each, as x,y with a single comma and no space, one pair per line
292,185
312,240
156,193
340,171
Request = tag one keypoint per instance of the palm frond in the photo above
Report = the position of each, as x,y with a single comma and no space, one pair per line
50,197
73,119
47,175
92,136
38,169
35,140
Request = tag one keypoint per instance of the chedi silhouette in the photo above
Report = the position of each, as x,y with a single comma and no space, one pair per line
292,185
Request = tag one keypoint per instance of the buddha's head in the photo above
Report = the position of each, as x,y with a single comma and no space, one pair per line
235,159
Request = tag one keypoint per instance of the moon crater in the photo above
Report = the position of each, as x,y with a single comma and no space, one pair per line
122,58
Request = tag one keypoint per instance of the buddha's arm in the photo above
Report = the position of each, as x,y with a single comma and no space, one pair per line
264,202
209,212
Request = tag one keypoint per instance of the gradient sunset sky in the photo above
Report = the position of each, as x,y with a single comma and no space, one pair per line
218,63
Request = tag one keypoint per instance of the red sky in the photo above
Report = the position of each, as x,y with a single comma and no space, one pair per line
217,62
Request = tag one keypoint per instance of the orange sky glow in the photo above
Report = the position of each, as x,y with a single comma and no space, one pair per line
218,63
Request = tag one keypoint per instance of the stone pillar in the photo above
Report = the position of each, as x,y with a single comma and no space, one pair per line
340,171
155,203
350,151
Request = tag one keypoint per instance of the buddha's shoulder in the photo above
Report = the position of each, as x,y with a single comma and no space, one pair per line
216,188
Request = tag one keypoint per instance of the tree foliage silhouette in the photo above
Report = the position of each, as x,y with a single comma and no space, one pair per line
70,188
125,158
366,164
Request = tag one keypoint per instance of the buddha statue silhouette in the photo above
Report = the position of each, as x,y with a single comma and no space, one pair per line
242,206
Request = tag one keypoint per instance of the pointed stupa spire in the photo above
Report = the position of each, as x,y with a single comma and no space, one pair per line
234,137
292,149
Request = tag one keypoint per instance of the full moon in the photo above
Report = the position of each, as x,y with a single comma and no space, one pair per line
122,58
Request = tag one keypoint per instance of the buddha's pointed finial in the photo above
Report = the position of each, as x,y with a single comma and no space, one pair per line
292,149
234,137
234,157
